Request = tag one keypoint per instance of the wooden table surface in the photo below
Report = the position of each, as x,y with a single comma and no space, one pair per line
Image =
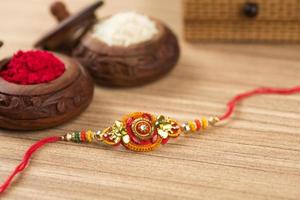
255,156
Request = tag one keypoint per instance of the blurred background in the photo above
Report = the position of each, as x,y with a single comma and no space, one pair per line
26,23
255,156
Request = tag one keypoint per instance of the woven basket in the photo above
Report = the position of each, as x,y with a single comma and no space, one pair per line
226,20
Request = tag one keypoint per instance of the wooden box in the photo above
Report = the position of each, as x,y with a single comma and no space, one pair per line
242,20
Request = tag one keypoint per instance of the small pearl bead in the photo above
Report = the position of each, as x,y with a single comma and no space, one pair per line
68,137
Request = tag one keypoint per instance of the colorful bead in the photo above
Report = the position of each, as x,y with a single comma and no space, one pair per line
204,122
198,124
89,135
83,136
192,125
78,137
74,136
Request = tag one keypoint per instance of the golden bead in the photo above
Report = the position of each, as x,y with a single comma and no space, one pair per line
90,135
213,120
204,122
192,126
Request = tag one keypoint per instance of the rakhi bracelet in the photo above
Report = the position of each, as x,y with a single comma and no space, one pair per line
142,132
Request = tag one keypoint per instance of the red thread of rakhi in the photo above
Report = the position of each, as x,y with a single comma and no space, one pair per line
232,103
32,67
230,108
26,159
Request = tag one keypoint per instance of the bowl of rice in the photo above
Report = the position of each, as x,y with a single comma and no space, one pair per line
128,49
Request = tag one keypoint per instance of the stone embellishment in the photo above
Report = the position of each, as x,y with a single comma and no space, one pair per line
141,131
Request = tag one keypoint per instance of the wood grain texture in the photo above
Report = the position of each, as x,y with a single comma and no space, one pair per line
255,156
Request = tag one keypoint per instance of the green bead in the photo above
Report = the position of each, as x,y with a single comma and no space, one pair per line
77,136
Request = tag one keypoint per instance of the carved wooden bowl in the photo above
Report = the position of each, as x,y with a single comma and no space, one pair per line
31,107
129,66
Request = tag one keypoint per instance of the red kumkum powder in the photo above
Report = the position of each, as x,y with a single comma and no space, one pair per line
33,67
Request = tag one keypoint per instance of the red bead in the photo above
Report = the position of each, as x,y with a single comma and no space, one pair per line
83,136
198,124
